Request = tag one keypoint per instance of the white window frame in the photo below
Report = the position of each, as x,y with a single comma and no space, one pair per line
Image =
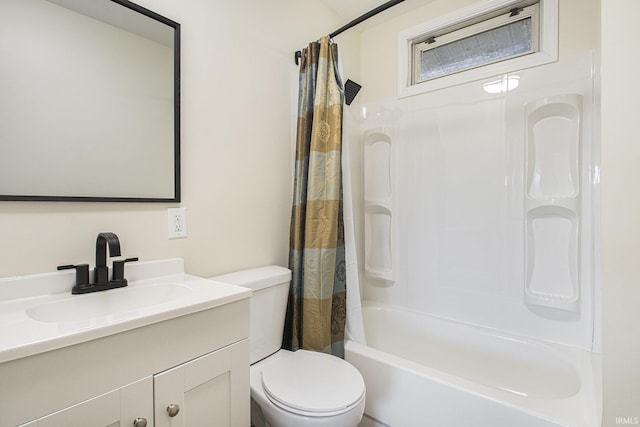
547,46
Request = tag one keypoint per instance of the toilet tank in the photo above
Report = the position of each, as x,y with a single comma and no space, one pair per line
268,305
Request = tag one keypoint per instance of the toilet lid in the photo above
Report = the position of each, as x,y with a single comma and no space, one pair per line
313,384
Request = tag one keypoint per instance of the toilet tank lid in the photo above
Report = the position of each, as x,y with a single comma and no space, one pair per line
256,278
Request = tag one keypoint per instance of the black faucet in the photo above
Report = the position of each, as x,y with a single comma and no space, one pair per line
101,280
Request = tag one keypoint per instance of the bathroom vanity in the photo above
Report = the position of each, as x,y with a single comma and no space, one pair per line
168,350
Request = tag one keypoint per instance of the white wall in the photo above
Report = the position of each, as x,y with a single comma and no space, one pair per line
620,211
237,73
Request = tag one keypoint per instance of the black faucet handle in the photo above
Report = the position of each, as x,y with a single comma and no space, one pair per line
82,276
118,269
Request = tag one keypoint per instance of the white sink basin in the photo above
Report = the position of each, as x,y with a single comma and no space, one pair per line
113,302
38,313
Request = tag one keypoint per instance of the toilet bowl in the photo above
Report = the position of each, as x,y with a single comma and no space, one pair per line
305,388
292,389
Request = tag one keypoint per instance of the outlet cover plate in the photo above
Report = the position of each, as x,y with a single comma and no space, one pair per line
177,220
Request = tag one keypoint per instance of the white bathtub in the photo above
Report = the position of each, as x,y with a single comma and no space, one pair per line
426,371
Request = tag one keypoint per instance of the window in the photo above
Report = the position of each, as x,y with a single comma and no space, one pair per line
490,38
509,35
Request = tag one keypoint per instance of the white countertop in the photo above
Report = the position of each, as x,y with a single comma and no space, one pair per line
38,313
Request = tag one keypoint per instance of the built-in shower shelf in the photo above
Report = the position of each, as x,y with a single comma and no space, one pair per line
380,278
553,146
377,157
553,301
378,203
552,202
569,203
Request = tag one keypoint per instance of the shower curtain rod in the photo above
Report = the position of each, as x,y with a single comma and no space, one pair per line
356,21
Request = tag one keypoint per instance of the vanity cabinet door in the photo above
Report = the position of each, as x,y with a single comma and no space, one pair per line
116,408
212,390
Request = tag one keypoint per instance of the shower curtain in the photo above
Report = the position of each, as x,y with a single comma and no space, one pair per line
316,311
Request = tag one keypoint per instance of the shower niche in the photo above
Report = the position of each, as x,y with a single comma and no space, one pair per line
378,208
552,202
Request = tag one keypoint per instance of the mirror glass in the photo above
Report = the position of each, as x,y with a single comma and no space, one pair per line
90,102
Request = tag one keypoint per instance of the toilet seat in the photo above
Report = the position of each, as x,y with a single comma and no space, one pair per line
313,384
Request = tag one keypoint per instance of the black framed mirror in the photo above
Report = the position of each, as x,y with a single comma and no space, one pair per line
90,106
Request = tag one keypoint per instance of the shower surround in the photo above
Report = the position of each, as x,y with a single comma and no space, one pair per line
480,212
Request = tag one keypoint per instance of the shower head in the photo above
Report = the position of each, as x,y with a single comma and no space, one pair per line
351,89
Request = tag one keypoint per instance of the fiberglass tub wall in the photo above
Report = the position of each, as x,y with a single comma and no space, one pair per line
467,240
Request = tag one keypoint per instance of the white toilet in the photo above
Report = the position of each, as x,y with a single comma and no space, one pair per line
292,389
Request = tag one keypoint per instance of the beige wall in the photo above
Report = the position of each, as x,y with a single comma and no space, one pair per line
237,81
620,210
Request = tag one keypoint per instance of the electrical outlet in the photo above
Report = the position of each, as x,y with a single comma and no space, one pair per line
177,223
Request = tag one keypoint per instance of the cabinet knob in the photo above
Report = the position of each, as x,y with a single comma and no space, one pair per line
173,409
140,422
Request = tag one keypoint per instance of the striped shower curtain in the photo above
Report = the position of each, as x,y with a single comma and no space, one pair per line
316,310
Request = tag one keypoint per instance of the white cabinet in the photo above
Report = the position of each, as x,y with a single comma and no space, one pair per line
208,391
115,408
199,362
